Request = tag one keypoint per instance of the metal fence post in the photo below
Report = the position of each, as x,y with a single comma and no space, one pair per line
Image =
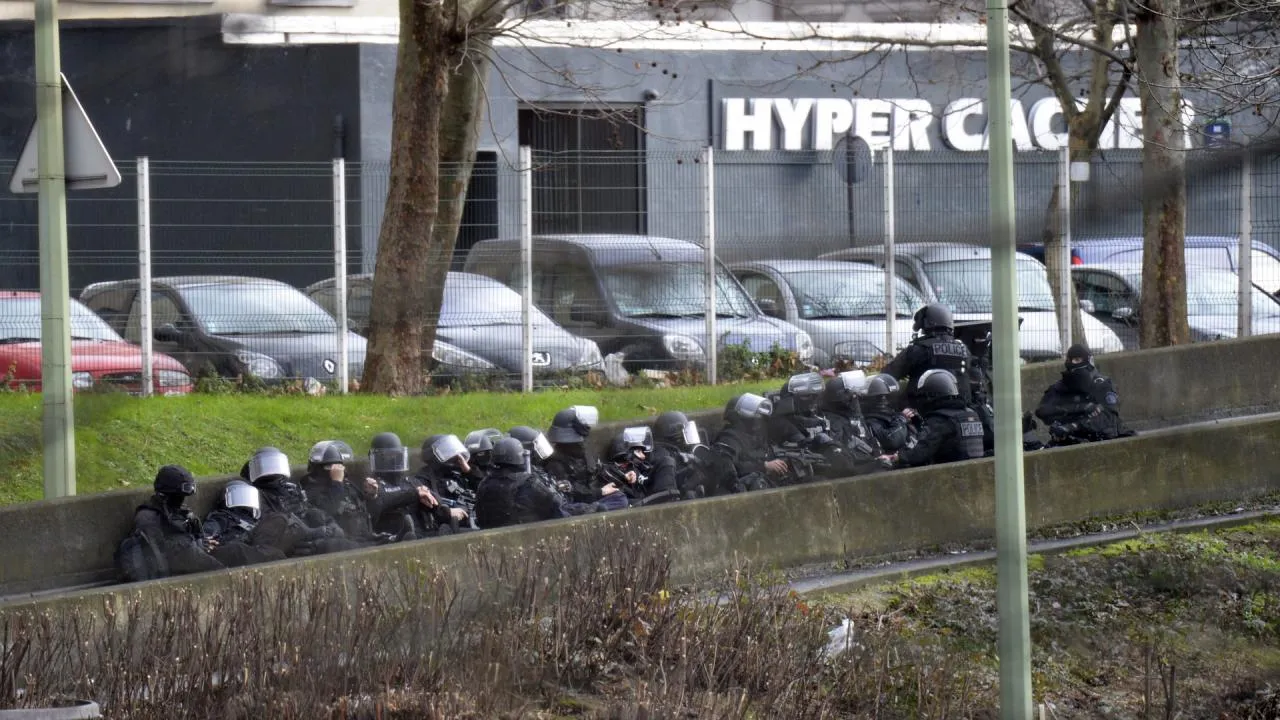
1246,246
709,234
1065,311
340,270
526,267
146,332
890,269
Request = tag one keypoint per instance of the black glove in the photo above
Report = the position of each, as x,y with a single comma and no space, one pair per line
1059,431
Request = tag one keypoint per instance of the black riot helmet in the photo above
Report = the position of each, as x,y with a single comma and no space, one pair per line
841,392
439,450
675,428
936,385
175,481
747,409
327,453
268,464
932,318
480,444
881,385
242,498
804,389
625,444
533,441
509,453
571,426
387,455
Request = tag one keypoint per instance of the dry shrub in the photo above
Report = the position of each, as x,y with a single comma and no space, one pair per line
588,629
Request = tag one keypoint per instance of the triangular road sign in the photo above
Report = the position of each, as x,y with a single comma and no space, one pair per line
87,164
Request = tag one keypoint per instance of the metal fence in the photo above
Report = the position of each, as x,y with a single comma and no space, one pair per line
558,267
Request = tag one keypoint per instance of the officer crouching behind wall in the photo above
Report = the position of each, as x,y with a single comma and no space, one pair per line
1083,406
952,430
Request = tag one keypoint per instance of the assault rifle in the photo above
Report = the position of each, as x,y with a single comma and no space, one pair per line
803,464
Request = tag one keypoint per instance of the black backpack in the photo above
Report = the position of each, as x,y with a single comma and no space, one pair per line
139,558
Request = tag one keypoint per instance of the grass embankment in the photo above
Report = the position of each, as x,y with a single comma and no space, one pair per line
1160,627
121,440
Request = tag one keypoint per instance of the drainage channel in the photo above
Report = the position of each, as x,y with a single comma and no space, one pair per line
898,571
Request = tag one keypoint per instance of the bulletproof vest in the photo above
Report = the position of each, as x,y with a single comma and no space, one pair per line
496,500
948,353
967,444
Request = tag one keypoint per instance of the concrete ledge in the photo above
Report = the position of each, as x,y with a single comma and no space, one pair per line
70,541
825,522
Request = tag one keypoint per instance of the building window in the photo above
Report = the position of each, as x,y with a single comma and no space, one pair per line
588,169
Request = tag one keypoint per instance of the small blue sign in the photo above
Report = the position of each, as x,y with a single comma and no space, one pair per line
1217,133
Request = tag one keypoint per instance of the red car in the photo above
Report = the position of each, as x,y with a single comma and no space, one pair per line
99,356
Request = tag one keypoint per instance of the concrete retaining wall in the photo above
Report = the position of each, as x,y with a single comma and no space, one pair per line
857,517
70,541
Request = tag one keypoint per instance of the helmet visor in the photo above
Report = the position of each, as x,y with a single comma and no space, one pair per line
542,447
753,406
805,384
855,381
389,460
243,495
448,448
482,440
267,465
586,415
690,433
641,437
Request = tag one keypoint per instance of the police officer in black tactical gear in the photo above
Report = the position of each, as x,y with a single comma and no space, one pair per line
228,528
571,465
448,473
843,411
1083,406
167,538
480,444
538,450
801,435
679,458
331,491
936,348
952,430
629,467
743,442
511,495
406,508
290,522
892,429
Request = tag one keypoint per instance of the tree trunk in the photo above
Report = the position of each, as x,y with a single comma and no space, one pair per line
393,363
1164,199
459,134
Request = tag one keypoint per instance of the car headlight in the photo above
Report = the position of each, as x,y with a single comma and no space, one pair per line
858,352
447,354
683,347
590,355
260,365
172,378
81,380
804,346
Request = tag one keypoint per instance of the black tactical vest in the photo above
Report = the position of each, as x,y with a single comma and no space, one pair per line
967,443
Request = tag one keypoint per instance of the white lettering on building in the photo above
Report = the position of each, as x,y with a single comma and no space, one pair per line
904,123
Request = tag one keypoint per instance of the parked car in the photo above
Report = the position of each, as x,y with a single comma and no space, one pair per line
236,325
1036,250
1214,251
841,305
1112,293
959,276
639,295
99,356
480,327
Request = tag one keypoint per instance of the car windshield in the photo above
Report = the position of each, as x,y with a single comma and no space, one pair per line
1266,271
965,285
20,319
255,309
843,294
672,289
1217,292
467,304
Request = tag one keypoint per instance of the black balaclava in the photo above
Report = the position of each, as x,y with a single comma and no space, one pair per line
1078,376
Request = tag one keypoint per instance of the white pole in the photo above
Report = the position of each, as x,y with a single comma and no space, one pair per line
1246,246
1065,310
340,271
526,265
709,233
146,332
890,267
